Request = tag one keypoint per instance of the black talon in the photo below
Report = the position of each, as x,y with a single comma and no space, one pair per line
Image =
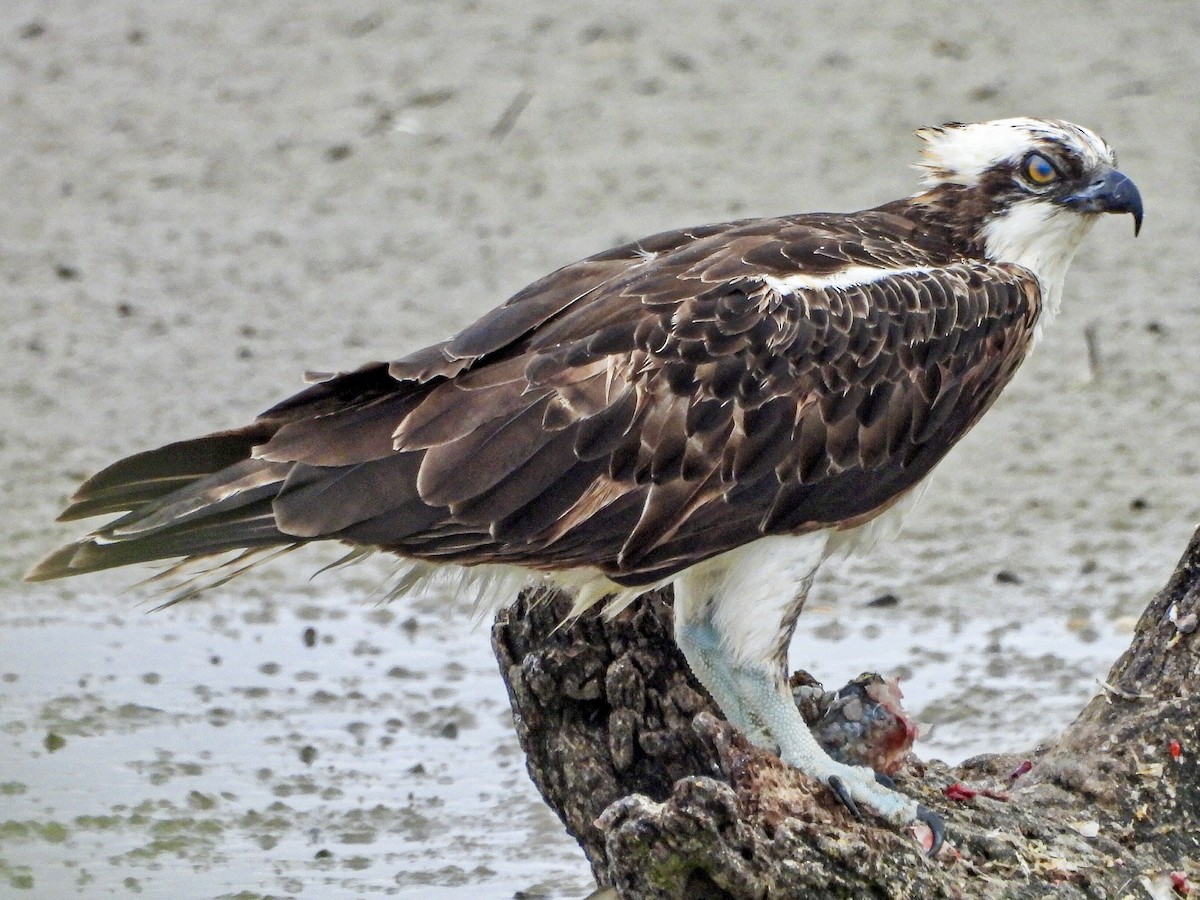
936,825
843,794
885,780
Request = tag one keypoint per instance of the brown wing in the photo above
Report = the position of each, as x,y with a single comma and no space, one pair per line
643,422
637,412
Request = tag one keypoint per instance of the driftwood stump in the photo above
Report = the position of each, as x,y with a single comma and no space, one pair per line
668,801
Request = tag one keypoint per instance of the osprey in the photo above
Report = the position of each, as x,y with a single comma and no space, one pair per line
715,408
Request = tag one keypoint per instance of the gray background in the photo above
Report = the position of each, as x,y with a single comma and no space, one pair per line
200,201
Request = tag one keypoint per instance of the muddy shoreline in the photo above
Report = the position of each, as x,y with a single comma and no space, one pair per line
201,204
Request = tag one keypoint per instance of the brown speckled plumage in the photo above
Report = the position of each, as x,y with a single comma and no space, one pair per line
638,411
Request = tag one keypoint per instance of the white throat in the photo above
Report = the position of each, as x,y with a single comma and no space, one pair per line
1042,237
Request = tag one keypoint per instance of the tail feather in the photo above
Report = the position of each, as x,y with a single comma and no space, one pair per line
196,499
199,498
54,565
191,499
131,482
233,488
252,527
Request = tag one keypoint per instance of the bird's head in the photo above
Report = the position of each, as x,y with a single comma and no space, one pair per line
1031,161
1032,187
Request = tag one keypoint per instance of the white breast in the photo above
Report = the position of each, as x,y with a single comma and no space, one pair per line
1041,236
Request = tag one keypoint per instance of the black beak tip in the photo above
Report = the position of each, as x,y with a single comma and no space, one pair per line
1123,196
1111,192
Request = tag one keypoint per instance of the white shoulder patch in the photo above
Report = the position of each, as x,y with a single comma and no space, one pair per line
843,278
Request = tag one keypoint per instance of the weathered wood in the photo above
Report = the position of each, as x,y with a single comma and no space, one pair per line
668,801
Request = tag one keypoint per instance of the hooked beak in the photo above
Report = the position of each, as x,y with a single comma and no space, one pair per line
1110,192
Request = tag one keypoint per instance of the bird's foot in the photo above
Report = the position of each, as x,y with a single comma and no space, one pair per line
858,785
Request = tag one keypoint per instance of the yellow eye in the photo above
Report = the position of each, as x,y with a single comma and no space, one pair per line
1039,170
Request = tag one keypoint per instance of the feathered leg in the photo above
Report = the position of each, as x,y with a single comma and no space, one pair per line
701,646
737,647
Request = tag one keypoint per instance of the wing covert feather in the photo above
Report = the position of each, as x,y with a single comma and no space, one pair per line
705,416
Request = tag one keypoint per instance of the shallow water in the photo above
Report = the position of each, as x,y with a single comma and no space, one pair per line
215,740
320,744
201,203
